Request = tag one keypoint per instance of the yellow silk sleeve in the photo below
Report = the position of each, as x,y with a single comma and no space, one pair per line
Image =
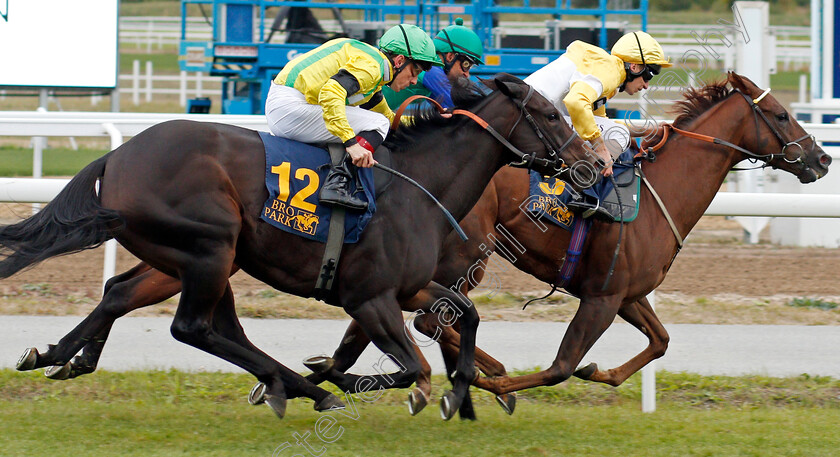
579,102
383,108
332,98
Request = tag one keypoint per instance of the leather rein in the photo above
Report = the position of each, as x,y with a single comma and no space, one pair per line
648,152
766,158
526,160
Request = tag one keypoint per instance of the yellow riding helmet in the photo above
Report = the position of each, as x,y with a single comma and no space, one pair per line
640,48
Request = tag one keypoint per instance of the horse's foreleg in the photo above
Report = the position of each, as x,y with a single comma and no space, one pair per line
640,315
449,341
460,364
352,345
593,317
138,287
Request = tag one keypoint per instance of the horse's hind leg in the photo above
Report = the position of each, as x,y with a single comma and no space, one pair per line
226,323
138,287
640,315
593,317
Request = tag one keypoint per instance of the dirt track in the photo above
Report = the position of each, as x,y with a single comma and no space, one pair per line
714,272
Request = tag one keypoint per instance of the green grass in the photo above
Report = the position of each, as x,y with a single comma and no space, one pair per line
16,161
817,303
160,413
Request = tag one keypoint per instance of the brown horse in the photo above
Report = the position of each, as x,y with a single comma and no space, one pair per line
185,198
686,175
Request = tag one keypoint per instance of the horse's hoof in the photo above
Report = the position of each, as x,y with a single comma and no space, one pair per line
448,408
319,363
587,371
507,402
27,360
416,401
257,395
330,402
277,404
58,372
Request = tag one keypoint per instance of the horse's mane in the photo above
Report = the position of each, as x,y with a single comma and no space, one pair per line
465,95
698,101
695,102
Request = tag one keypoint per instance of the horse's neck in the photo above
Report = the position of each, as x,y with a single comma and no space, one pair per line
455,165
689,172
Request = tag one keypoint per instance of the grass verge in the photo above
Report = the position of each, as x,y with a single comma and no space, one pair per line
161,413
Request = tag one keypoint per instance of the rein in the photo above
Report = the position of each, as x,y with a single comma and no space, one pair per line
766,158
525,160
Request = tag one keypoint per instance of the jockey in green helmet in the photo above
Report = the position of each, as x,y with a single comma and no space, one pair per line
460,49
333,93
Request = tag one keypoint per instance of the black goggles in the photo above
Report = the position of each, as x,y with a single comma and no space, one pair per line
422,64
648,72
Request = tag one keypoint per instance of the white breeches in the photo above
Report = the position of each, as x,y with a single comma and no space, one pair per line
290,116
616,136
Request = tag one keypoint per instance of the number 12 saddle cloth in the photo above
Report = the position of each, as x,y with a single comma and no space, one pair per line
294,173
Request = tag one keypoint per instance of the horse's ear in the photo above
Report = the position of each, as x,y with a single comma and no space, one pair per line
511,89
741,83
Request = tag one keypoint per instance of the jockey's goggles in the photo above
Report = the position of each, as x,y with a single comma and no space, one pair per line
422,65
466,62
648,72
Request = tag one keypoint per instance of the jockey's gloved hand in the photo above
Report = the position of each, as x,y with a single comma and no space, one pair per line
360,155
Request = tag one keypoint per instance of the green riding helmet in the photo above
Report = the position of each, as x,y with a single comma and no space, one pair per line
460,40
411,41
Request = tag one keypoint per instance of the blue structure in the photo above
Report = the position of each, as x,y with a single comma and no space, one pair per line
242,50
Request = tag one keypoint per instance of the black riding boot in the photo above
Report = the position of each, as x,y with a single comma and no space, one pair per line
336,189
588,206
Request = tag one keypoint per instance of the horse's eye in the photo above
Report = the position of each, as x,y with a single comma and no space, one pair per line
553,117
782,117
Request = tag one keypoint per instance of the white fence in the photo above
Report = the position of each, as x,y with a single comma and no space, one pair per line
119,125
793,44
147,84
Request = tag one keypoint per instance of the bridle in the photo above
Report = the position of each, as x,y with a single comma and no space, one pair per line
757,113
525,160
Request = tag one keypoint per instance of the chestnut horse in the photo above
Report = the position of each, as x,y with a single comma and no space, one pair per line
185,198
686,175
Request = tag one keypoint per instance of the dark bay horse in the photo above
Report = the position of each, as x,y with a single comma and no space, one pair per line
185,198
686,175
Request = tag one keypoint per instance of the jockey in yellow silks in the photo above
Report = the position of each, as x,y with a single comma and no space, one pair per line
333,94
580,82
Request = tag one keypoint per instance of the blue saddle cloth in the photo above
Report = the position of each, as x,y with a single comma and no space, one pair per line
548,197
294,173
602,188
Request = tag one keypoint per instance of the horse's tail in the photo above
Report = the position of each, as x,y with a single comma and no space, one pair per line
73,221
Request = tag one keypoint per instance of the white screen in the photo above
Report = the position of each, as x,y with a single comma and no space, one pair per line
59,43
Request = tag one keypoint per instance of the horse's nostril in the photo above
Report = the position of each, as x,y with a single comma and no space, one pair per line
825,160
